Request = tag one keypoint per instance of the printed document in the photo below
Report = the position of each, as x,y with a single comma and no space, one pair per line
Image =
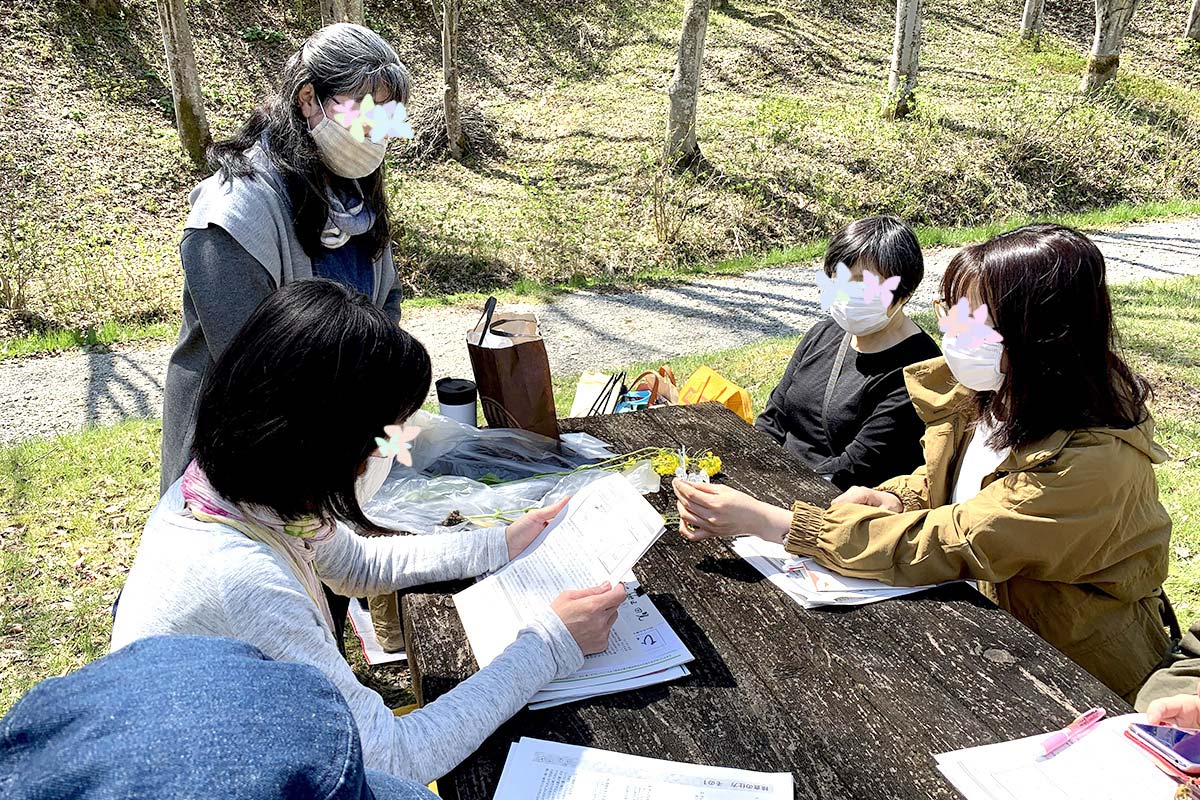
600,535
807,582
541,770
1101,765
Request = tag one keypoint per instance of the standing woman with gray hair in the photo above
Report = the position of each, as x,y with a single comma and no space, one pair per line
294,196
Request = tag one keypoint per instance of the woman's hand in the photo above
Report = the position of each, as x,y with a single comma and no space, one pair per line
707,510
589,614
861,495
522,532
1180,711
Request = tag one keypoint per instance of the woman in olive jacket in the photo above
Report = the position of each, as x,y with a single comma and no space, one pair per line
1038,479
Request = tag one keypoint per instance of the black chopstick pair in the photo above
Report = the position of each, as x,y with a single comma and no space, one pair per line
616,381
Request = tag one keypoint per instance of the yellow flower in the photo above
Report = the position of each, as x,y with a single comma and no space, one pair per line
709,464
665,462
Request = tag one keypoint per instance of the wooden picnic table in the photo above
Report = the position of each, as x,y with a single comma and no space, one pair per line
854,702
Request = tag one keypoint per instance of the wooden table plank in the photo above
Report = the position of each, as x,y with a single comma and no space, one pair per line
848,700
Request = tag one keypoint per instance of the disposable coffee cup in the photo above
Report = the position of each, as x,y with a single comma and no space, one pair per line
456,399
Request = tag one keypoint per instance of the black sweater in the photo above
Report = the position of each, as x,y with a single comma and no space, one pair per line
874,432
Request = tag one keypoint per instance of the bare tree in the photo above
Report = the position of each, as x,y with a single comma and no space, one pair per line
190,118
1031,22
354,11
1112,18
682,150
1193,26
906,57
456,141
334,11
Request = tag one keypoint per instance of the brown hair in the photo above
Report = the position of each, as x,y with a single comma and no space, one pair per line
1045,288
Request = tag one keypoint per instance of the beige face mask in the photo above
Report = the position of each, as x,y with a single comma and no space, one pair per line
342,153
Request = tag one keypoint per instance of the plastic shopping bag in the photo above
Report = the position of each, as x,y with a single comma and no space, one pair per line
706,385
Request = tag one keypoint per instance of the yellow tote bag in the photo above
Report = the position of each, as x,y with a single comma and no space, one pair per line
706,385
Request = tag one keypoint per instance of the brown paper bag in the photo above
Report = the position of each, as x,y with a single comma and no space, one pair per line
513,374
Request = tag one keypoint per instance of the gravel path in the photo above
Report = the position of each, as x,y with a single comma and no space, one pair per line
584,330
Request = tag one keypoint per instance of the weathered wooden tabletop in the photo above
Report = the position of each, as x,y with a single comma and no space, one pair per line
854,702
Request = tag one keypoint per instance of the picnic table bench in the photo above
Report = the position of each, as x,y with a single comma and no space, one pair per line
854,702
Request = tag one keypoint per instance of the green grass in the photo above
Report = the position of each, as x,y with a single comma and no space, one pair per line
58,339
73,507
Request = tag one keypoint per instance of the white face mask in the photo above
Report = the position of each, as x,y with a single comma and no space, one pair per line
976,368
373,478
342,153
858,317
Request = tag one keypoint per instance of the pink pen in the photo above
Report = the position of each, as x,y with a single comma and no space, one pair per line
1057,741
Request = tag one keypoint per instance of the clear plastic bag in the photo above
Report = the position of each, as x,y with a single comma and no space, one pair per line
448,458
447,447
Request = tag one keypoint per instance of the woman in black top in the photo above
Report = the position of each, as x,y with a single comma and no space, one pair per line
841,406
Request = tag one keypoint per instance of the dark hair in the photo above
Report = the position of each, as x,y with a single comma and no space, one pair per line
1045,288
338,59
888,247
290,412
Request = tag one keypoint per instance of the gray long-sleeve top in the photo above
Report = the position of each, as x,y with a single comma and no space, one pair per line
206,579
238,246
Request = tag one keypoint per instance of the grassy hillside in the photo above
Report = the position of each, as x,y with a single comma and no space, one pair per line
93,188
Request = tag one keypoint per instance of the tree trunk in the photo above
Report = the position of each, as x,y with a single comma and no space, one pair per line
1112,18
682,151
1193,27
334,11
906,56
190,118
354,12
450,103
1031,22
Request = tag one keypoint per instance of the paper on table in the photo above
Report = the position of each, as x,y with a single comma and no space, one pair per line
553,771
548,698
641,642
603,531
823,580
776,563
600,535
1102,765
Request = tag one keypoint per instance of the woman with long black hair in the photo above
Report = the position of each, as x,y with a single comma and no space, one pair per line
261,522
294,195
1038,476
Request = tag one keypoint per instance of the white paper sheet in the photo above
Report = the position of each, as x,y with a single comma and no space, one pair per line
364,629
799,578
598,537
540,770
548,698
641,642
1102,765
